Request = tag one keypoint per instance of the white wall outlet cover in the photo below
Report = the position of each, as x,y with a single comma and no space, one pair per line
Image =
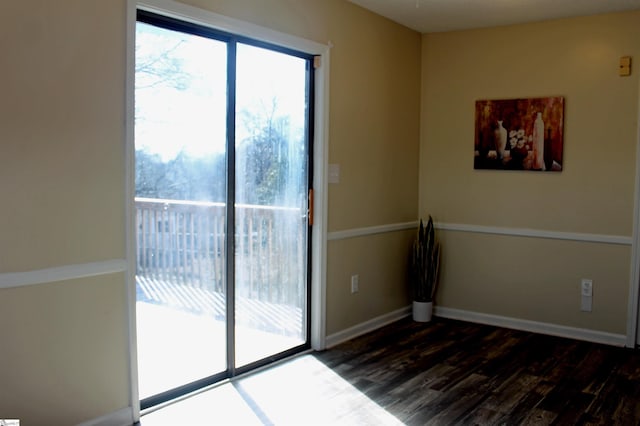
586,303
334,173
355,283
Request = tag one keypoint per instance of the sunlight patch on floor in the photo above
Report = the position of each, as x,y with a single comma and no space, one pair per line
302,391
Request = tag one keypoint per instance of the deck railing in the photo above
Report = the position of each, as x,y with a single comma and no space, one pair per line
183,242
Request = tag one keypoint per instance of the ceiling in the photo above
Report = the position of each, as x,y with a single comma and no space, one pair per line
427,16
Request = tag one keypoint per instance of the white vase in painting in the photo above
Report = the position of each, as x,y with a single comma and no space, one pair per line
501,140
538,143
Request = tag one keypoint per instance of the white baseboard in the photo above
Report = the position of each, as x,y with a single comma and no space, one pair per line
122,417
367,326
480,318
533,326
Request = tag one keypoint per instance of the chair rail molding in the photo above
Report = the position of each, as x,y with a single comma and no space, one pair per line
62,273
483,229
537,233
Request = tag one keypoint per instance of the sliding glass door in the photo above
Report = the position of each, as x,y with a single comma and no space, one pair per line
271,203
222,176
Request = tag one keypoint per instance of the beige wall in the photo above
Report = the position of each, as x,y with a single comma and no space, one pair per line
63,345
63,355
528,278
61,133
381,263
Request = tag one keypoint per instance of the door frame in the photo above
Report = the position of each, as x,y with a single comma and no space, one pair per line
633,311
318,260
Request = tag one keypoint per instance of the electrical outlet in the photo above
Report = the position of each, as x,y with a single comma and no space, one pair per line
355,283
586,295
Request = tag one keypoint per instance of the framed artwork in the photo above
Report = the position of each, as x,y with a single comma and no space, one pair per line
519,134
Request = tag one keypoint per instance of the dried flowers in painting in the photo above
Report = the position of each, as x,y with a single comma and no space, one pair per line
519,134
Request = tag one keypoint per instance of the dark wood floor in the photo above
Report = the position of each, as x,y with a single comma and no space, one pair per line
455,373
442,373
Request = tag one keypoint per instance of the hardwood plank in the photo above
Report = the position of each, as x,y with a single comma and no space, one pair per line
453,405
537,417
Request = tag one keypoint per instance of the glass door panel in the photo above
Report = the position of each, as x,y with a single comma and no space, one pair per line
271,203
198,322
180,205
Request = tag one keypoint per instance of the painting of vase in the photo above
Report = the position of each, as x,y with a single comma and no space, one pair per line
519,134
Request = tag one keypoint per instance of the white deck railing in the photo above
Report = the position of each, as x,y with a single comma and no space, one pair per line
183,242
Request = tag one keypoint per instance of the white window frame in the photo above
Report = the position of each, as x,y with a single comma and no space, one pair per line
320,158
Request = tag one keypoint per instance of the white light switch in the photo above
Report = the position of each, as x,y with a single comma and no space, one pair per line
334,173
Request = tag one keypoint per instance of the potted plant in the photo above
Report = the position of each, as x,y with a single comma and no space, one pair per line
424,267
